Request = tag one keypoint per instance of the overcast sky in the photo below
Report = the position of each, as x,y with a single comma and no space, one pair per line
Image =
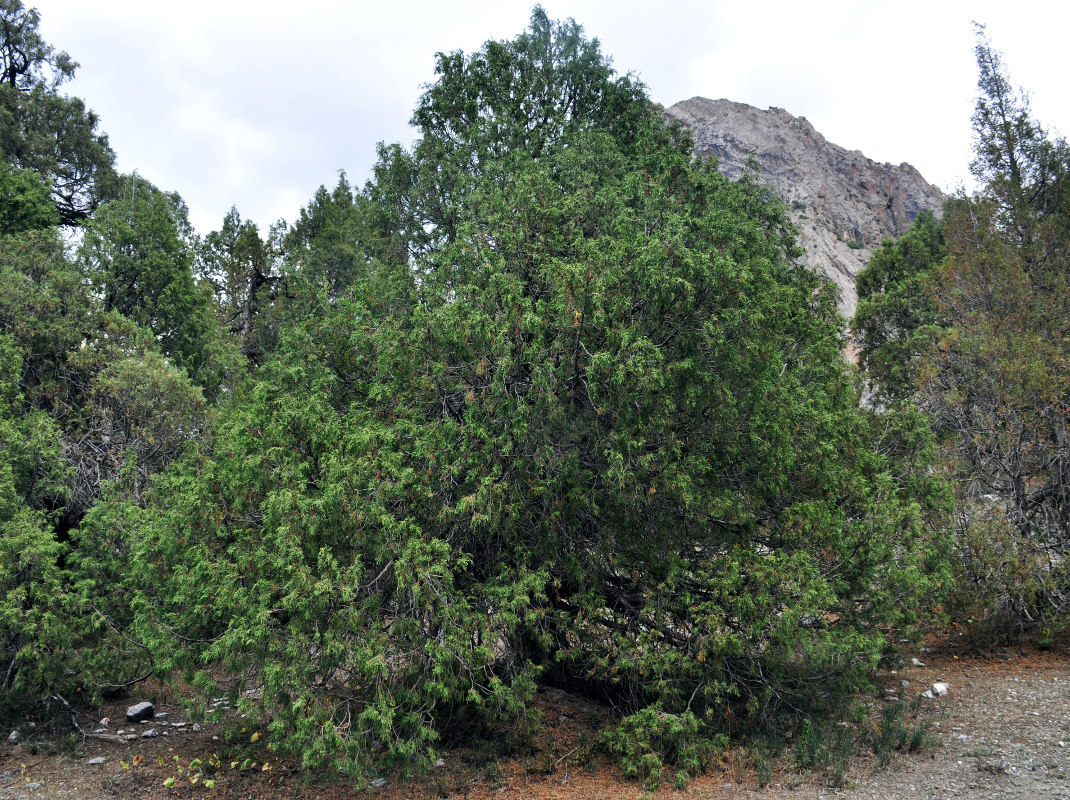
255,104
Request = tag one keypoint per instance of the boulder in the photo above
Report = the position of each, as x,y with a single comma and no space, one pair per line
140,712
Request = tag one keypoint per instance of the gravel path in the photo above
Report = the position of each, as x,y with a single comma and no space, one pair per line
1005,728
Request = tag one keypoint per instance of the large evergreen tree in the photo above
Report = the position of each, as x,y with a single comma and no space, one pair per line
583,421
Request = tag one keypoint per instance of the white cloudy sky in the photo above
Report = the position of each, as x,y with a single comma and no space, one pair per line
256,103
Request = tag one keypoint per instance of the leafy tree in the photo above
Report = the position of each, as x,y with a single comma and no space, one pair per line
239,266
24,201
33,476
1021,169
44,305
593,429
339,238
42,130
970,321
896,313
89,408
138,254
996,381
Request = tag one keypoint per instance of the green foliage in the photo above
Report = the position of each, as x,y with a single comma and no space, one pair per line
892,734
1024,171
137,253
338,239
969,320
32,477
42,130
998,379
896,313
825,748
44,306
552,399
24,201
651,741
92,408
996,385
239,267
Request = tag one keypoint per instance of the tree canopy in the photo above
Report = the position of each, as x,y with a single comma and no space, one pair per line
969,319
574,415
42,130
548,401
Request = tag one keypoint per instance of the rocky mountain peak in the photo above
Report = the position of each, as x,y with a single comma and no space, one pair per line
843,203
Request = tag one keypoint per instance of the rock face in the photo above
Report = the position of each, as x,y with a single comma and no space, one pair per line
843,203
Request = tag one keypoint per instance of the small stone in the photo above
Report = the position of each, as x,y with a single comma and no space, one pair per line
151,733
161,716
378,783
99,730
33,787
96,762
904,684
939,689
130,737
440,763
927,694
13,737
104,723
178,724
917,662
196,728
140,712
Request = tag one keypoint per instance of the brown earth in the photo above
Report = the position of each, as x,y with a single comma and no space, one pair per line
1003,731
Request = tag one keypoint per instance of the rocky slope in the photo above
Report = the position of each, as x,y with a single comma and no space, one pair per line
843,203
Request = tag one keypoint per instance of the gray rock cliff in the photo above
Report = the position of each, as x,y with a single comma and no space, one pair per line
843,203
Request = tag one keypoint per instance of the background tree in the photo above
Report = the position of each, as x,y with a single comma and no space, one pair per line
24,201
44,131
138,253
90,409
33,481
240,267
896,314
971,323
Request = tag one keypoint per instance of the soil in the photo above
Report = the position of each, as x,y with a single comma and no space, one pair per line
1002,731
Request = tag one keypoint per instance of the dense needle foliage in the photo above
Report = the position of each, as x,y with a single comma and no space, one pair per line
593,428
548,401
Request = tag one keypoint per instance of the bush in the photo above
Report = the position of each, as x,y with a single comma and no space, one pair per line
652,741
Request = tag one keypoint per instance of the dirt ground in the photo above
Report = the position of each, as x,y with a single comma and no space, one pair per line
1002,731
